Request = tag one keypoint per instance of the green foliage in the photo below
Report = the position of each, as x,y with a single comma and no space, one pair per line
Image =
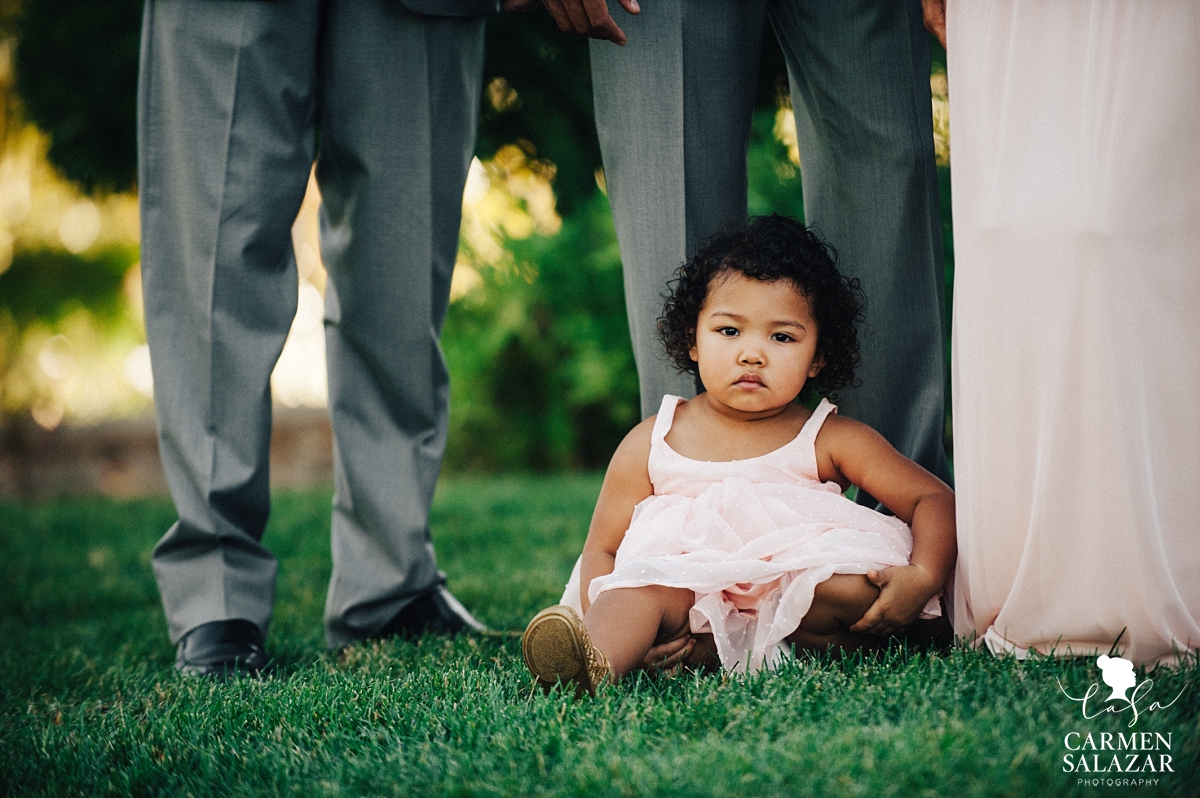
72,309
774,183
48,284
552,107
77,60
90,705
76,70
542,369
551,75
542,372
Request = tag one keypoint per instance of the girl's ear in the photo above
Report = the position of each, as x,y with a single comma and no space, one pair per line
692,349
817,364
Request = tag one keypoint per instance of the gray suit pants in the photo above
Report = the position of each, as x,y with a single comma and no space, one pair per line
673,110
232,95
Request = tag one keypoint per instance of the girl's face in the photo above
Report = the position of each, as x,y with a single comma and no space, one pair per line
755,343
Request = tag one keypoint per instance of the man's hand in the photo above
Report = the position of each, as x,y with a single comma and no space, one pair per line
667,657
903,593
586,17
935,18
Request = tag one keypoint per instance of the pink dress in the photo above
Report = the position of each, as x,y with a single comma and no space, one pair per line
752,538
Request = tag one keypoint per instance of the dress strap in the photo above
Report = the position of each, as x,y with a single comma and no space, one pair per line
808,433
817,419
666,415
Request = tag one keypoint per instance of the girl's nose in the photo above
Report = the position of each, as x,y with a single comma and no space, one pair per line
751,356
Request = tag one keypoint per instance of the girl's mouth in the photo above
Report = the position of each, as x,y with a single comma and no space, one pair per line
749,381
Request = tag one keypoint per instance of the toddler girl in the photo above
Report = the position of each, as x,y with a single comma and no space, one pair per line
721,523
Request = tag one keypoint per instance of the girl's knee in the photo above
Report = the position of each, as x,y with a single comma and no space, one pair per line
676,606
670,605
839,602
849,596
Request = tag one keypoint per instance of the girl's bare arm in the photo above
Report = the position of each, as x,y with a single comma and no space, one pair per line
626,483
852,453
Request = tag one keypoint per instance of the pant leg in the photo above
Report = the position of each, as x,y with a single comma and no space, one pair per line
860,86
398,114
673,111
225,110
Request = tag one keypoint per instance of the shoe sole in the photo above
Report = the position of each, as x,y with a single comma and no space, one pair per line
220,670
555,649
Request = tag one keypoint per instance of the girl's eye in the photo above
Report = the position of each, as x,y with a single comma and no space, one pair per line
782,338
728,332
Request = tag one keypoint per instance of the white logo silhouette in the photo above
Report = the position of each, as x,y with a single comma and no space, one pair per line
1118,674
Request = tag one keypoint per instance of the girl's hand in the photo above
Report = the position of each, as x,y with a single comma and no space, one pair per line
903,592
852,453
669,656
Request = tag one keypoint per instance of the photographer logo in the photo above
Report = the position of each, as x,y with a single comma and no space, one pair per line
1105,757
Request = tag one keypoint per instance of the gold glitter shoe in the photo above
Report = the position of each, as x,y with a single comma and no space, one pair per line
557,649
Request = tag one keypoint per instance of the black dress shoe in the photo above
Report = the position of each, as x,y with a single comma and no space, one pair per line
222,648
435,612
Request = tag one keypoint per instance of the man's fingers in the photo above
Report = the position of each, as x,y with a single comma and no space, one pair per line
603,26
631,6
581,21
562,17
577,14
585,17
608,30
939,31
934,12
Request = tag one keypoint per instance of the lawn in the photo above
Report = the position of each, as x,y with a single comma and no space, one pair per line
90,703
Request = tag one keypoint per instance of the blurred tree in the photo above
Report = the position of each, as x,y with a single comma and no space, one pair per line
542,372
538,87
76,71
542,369
32,288
76,65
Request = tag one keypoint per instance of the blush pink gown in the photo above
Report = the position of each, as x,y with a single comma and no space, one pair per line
1076,357
752,538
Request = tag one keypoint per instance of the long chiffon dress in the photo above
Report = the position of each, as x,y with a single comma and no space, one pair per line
1075,135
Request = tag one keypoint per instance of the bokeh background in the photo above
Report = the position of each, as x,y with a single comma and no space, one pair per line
536,338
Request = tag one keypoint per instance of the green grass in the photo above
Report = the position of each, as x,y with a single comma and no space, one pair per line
90,704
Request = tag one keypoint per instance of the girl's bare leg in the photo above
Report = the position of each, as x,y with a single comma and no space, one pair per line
704,655
625,623
838,603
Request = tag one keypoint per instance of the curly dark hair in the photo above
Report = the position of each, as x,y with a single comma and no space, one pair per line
771,248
